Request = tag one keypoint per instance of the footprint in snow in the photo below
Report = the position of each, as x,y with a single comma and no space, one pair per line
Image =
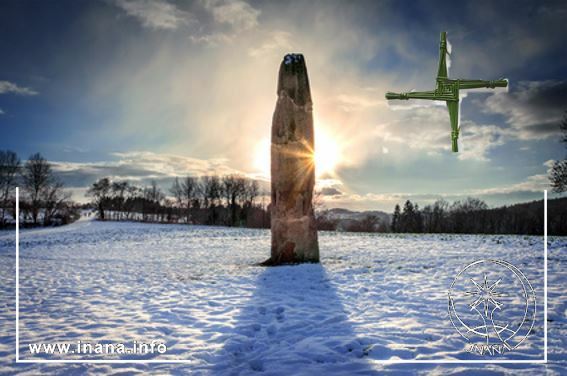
280,314
271,330
256,365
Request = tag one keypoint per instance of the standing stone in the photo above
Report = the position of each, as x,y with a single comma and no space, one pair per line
294,233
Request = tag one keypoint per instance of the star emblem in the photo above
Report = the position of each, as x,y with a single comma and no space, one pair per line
486,295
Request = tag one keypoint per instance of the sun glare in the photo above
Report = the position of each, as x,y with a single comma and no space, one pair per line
327,153
262,157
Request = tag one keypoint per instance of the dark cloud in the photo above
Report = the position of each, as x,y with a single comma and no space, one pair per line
544,129
85,175
330,191
532,108
550,96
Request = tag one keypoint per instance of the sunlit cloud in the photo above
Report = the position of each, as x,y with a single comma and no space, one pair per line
140,166
155,14
239,14
478,139
277,42
197,88
211,40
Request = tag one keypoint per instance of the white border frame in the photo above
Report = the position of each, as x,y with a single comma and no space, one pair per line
189,361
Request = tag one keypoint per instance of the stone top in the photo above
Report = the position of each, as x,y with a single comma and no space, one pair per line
293,79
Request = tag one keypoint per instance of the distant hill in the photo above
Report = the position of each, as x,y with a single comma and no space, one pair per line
342,214
348,220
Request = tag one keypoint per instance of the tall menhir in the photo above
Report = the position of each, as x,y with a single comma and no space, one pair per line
294,234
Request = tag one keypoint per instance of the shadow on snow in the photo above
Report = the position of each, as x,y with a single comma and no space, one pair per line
294,323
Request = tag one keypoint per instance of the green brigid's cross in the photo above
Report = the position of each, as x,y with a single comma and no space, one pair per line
448,90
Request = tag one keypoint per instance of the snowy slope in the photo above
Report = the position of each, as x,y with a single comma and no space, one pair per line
341,214
196,289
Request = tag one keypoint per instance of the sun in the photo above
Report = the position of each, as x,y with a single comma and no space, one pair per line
327,153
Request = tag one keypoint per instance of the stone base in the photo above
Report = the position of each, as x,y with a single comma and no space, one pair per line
294,241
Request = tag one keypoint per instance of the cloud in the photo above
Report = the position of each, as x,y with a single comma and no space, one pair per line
330,192
7,87
142,167
534,183
356,102
175,165
277,41
2,112
477,139
494,197
531,188
213,39
533,109
219,101
155,14
139,166
223,21
424,127
239,14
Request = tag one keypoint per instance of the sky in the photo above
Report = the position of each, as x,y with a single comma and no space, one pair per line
142,90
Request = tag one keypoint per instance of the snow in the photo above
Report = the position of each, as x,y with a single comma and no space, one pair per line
197,290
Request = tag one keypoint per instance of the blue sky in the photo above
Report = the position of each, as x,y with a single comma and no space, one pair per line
144,90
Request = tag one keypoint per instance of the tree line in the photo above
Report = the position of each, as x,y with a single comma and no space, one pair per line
558,173
234,200
43,200
229,200
473,216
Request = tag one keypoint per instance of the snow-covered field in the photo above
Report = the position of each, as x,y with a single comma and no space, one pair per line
196,289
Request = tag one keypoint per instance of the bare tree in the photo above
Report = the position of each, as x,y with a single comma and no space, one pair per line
36,177
215,191
9,168
318,202
132,194
54,199
439,215
100,191
177,191
211,192
189,190
239,194
228,187
118,189
185,193
234,190
252,190
154,197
